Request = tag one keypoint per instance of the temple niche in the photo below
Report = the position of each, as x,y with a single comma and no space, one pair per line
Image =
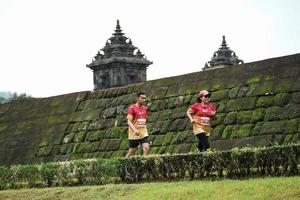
223,57
118,63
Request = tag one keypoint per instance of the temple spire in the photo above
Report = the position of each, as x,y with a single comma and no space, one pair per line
224,44
223,57
118,31
119,62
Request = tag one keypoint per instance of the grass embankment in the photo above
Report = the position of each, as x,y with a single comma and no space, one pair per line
286,188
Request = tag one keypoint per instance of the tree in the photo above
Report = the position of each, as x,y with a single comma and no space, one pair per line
14,96
2,100
21,96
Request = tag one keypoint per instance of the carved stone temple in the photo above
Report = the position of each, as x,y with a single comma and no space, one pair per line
223,57
118,63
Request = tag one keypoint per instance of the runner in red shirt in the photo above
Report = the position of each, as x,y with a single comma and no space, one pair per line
137,130
200,114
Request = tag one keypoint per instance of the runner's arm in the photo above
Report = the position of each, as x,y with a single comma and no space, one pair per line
130,124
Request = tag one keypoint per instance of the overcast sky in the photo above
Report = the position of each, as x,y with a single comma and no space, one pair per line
46,44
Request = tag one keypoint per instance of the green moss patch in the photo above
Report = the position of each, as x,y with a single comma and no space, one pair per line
274,113
233,92
245,130
244,117
219,95
281,99
258,115
265,101
230,118
241,104
79,136
217,132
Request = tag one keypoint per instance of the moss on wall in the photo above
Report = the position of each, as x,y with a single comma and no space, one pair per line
257,104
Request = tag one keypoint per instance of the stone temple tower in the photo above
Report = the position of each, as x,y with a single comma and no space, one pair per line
223,57
118,63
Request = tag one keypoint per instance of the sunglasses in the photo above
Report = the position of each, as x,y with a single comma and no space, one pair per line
207,96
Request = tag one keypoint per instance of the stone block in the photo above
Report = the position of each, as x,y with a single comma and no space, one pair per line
218,119
79,136
281,99
264,88
158,92
169,149
182,137
295,98
92,136
165,127
44,151
85,115
296,86
244,117
241,104
177,125
230,118
68,138
118,154
288,139
219,95
162,150
258,115
279,127
296,138
95,146
154,150
159,140
178,112
64,148
182,148
227,132
113,144
217,132
291,111
124,144
265,101
274,113
168,138
235,131
233,92
284,85
119,132
103,144
245,130
221,106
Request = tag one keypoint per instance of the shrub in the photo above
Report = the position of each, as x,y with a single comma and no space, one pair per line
5,177
47,172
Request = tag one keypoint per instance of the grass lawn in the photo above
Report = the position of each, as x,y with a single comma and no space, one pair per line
286,188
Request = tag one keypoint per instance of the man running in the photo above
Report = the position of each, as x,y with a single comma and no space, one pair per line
137,130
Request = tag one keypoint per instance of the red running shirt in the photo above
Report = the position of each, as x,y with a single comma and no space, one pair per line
203,113
140,115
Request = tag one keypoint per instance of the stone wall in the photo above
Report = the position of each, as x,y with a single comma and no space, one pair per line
257,104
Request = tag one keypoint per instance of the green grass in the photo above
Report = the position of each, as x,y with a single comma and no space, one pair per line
286,188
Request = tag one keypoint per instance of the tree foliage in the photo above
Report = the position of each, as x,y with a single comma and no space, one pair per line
14,96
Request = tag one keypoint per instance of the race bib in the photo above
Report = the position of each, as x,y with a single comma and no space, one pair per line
204,120
141,122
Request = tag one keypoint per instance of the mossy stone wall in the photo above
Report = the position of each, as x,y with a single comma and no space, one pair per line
257,104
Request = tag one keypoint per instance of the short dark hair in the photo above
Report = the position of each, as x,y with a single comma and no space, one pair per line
140,93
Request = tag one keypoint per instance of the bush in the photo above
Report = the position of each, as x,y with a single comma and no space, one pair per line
5,177
236,163
47,172
29,174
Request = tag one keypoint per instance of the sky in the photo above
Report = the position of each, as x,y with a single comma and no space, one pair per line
46,44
